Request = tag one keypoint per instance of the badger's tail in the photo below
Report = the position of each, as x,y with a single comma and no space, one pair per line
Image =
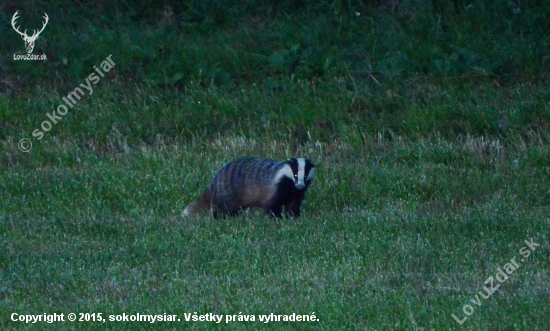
201,205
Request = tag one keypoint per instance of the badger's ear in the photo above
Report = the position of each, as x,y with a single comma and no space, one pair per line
311,163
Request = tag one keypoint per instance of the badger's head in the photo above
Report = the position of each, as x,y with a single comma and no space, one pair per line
302,172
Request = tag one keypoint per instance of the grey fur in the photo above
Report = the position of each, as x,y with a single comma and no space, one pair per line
252,182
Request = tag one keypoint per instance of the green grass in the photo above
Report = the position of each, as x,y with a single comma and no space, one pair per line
430,129
385,241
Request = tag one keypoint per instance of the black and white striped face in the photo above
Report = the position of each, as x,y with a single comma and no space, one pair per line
302,172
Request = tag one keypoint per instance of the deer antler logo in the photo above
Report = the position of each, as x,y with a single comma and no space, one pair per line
29,40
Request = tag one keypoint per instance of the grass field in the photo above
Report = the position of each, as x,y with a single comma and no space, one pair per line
429,126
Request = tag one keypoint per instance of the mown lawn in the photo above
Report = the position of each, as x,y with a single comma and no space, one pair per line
431,139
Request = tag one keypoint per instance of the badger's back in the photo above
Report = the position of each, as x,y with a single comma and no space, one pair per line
244,183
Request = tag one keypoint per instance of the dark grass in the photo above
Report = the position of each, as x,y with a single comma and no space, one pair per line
428,123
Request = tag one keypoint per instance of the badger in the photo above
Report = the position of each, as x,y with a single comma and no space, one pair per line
254,182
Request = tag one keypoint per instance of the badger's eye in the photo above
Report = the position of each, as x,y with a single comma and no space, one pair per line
295,175
305,176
